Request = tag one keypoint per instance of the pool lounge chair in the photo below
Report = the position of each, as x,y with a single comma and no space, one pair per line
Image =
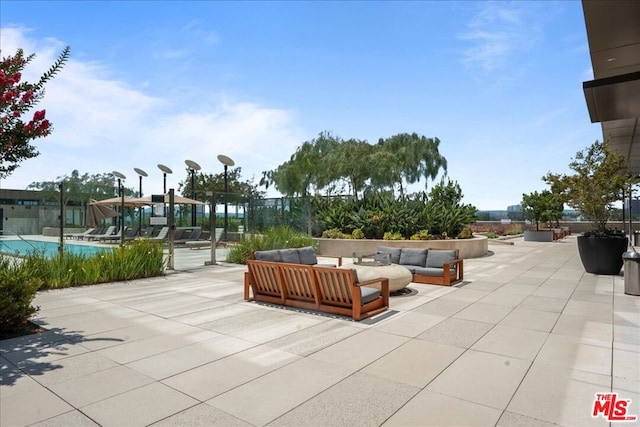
109,232
111,237
204,241
96,231
162,235
188,234
129,234
79,235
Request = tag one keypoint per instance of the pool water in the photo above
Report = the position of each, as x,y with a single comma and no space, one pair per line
50,249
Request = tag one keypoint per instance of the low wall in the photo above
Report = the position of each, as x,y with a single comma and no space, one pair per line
55,231
469,248
575,226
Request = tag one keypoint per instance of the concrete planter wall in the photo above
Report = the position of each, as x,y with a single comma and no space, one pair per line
538,236
469,248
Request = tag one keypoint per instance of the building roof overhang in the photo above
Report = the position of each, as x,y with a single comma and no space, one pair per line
613,97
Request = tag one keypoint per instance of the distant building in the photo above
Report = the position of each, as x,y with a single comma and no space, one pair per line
635,207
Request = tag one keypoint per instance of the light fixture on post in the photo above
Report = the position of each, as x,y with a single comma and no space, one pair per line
121,177
165,170
226,161
141,173
193,167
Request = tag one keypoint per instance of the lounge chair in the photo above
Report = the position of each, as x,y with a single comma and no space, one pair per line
203,242
111,237
96,231
185,235
108,232
129,234
79,235
162,235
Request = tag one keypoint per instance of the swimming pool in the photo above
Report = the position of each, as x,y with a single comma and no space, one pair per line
50,249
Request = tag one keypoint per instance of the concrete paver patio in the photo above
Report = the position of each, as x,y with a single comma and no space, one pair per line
527,340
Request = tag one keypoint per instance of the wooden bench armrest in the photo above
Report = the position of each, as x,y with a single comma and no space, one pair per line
450,262
338,257
384,287
372,281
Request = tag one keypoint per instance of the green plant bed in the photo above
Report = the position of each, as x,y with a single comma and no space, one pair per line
272,238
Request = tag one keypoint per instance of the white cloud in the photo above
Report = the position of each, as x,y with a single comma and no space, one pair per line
495,33
102,124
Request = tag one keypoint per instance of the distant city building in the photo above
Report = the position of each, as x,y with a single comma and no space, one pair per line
635,207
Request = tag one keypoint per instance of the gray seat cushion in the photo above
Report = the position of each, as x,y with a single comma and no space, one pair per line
393,252
409,256
272,256
307,256
437,257
368,294
432,271
290,256
412,268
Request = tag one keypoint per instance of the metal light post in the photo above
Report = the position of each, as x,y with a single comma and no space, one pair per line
226,161
62,219
121,176
193,167
141,173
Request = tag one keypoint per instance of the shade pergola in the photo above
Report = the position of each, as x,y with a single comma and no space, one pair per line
613,97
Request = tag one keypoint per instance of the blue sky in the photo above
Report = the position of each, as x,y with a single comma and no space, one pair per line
499,83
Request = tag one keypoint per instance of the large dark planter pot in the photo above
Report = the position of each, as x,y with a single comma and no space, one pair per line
602,255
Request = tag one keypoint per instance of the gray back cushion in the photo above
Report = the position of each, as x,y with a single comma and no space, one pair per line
437,257
413,256
273,256
393,252
307,256
290,256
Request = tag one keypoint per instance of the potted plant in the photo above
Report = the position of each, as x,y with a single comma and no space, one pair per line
540,207
600,177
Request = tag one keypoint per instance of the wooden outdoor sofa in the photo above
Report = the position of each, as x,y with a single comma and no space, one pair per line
430,266
327,289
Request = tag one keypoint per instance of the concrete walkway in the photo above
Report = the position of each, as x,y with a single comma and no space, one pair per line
527,340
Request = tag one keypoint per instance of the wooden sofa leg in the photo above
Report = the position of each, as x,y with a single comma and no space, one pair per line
246,286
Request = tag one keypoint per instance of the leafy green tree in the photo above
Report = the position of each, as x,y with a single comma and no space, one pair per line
406,158
599,178
16,99
541,207
79,188
449,214
310,169
327,162
352,160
